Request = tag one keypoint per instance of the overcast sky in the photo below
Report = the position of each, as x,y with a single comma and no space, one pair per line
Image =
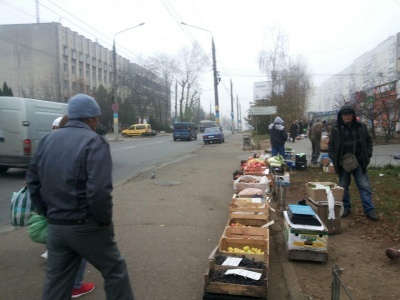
329,33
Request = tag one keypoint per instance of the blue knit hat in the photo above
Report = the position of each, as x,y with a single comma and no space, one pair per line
82,106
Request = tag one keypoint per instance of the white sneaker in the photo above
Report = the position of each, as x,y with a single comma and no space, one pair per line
44,255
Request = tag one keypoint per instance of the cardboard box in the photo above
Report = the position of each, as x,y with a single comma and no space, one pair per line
325,161
305,237
320,194
283,180
328,169
322,209
324,143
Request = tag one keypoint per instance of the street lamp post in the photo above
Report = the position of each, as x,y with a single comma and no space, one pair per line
214,71
115,107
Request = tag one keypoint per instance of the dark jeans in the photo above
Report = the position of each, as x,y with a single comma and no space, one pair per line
363,185
316,150
278,150
68,244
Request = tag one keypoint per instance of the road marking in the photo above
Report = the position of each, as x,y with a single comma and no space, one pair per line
129,147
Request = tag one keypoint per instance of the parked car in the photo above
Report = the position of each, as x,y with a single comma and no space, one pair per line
184,131
138,130
213,135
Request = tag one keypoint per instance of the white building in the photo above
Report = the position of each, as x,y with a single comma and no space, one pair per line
375,67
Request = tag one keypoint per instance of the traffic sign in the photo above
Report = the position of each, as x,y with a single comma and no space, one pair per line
262,110
115,107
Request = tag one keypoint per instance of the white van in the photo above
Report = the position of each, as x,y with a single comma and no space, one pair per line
23,122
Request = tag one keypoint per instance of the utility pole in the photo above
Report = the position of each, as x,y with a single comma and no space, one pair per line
37,12
215,73
232,114
176,101
115,106
237,113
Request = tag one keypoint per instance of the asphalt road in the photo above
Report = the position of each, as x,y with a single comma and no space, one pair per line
131,157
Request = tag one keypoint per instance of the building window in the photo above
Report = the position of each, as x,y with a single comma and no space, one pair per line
105,66
65,50
65,84
105,79
80,56
80,72
73,54
87,59
93,76
100,64
87,73
93,62
74,86
87,89
99,77
65,67
73,70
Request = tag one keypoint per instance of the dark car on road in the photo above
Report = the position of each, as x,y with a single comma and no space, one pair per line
184,131
213,135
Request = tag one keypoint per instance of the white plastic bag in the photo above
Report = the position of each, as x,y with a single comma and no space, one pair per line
262,183
331,204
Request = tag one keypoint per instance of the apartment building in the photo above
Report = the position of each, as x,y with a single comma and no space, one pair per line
51,62
375,67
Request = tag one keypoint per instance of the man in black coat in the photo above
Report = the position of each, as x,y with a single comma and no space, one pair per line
351,136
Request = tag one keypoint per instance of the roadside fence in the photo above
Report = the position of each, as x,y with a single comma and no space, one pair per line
337,284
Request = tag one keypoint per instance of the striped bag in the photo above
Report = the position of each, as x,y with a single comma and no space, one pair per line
21,207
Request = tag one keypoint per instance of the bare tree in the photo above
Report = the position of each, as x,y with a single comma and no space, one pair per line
167,67
290,82
144,86
193,61
380,106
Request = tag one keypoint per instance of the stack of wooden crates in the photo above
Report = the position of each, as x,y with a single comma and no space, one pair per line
243,229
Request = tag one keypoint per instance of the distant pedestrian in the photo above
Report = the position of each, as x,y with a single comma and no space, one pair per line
315,138
348,137
301,127
278,137
293,130
70,183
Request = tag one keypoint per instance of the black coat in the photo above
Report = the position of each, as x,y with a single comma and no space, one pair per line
363,149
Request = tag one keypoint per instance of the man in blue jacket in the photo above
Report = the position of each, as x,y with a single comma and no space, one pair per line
70,182
350,136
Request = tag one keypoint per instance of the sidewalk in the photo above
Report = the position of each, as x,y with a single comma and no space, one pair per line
165,228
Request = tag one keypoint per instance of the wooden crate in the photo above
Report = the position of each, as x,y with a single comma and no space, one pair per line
241,201
255,172
248,222
225,242
214,266
241,213
219,288
246,233
247,210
